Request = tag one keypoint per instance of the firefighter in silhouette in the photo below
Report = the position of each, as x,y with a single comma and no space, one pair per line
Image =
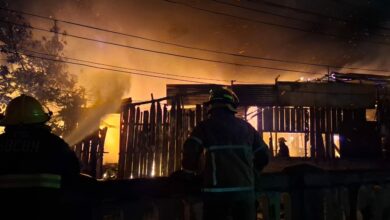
32,159
234,154
283,148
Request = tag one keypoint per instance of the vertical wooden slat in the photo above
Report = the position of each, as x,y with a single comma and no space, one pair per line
333,146
322,120
172,141
99,170
85,155
268,119
306,127
276,119
93,154
145,144
334,121
282,126
126,133
287,119
312,132
152,141
328,116
136,158
158,140
122,145
292,119
339,118
319,144
129,141
179,136
300,115
141,146
260,125
329,140
165,140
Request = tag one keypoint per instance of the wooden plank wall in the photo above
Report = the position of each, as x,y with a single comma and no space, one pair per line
314,122
90,152
152,140
296,119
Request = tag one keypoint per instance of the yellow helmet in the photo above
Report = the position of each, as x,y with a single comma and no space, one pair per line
24,110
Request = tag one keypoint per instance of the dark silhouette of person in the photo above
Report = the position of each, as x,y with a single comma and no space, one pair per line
34,163
283,148
234,154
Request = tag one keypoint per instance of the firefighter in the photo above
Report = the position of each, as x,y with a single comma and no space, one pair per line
234,154
283,148
31,157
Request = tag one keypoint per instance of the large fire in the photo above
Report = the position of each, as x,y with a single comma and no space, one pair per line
156,21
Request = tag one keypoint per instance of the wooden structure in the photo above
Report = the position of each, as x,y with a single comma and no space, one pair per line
300,193
151,140
316,109
90,152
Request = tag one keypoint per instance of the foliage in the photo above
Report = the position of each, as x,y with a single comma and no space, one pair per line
26,72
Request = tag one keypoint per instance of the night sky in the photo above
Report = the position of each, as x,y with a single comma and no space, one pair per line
266,29
212,41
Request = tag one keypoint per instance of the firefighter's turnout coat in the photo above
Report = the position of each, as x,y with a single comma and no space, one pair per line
34,157
233,153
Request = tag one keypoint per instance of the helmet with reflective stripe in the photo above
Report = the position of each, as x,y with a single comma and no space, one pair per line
223,97
24,110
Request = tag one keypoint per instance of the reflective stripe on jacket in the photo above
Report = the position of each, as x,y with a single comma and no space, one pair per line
41,180
35,150
231,149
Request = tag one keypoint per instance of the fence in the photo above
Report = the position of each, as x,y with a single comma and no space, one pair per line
151,141
313,122
299,193
90,152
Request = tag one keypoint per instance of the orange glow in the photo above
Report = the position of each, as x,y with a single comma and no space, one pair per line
295,143
111,144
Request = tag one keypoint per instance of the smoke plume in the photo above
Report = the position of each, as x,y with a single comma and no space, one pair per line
107,91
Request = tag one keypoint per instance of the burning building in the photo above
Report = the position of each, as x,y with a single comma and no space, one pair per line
322,120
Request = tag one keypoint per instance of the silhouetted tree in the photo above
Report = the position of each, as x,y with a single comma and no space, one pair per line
26,72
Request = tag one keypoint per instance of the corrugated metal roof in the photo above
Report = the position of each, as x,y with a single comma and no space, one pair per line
319,94
249,95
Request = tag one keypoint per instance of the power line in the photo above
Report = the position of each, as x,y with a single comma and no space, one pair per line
131,69
308,12
279,15
261,11
190,47
159,41
273,24
158,52
115,70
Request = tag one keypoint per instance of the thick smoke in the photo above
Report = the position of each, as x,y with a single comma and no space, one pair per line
357,21
107,93
175,23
